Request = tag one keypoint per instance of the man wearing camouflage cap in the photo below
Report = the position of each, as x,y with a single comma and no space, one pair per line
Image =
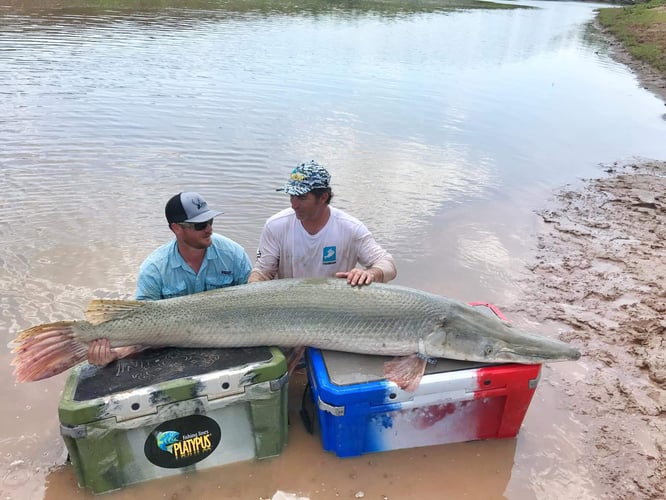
313,239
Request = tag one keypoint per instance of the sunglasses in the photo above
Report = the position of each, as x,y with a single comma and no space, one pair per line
197,226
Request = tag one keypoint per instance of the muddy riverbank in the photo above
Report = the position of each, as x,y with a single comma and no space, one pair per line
600,278
649,77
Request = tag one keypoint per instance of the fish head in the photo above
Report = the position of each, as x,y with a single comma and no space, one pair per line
470,335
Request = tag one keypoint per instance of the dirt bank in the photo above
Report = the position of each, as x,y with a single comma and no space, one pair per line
600,276
649,77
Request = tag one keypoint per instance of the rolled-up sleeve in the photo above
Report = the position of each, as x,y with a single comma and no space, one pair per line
268,255
371,254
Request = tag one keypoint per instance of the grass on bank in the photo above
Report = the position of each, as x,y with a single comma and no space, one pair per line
641,28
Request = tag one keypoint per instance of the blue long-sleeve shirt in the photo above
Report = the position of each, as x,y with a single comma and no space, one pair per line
165,274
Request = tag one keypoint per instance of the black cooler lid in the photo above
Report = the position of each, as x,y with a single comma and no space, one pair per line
155,366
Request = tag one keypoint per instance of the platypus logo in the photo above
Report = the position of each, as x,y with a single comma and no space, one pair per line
182,442
329,255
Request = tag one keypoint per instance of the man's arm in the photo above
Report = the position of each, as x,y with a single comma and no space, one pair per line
378,264
268,257
358,276
242,266
257,275
384,269
148,287
101,353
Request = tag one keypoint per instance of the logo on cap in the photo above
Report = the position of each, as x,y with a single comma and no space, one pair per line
199,203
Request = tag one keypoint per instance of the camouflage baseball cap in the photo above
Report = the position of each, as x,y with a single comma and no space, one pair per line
306,177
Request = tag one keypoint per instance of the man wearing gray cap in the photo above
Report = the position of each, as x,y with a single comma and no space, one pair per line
195,261
313,239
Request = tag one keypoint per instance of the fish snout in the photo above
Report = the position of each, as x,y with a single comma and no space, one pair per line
550,350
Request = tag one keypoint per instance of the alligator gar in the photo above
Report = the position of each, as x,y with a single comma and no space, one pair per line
380,319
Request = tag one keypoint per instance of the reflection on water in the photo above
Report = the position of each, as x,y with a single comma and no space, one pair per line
165,9
443,128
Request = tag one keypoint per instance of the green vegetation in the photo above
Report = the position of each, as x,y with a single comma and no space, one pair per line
641,28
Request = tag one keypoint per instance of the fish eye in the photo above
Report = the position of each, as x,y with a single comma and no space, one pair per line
488,350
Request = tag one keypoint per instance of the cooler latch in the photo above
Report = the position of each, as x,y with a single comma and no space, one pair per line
336,411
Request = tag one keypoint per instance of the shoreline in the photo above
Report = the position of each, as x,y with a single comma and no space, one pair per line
649,77
600,276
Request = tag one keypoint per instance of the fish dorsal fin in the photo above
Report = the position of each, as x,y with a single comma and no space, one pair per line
102,310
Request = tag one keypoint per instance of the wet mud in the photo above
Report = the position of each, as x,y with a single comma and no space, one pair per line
599,278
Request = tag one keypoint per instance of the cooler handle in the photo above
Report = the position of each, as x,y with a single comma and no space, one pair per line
307,417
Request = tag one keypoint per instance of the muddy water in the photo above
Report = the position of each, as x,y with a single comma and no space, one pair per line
444,131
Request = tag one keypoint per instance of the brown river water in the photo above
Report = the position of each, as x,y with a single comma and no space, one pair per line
444,131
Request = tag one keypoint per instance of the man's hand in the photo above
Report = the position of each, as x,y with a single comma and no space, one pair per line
358,277
100,352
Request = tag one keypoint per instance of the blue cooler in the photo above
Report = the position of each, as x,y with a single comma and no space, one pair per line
358,411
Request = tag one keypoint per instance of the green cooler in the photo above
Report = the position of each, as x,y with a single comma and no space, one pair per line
173,411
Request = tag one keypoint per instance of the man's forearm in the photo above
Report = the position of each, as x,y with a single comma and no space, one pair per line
384,270
256,275
377,274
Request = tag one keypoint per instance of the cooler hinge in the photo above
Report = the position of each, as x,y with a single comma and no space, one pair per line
278,384
336,411
532,383
76,432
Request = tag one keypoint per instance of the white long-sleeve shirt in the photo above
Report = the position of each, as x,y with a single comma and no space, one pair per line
287,250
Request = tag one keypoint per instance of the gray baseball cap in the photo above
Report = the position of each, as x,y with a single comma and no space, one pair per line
188,207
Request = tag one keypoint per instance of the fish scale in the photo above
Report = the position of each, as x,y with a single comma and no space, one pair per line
378,319
282,312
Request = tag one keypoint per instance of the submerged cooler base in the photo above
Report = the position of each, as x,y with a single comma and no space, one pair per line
359,411
171,411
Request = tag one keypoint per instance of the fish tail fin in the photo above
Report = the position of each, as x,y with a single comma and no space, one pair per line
46,350
406,371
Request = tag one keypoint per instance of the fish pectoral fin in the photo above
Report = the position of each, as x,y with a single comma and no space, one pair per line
406,371
129,350
103,310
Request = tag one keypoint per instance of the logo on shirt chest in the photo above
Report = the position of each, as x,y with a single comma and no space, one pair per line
329,255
